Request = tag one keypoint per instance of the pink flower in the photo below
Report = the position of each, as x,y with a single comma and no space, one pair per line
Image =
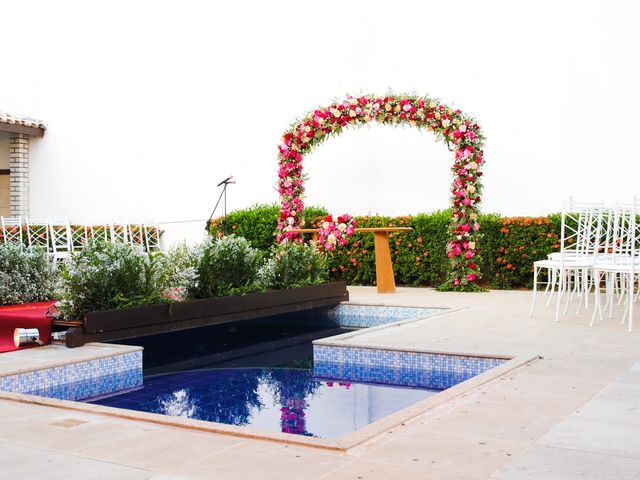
472,277
466,202
476,226
456,282
469,254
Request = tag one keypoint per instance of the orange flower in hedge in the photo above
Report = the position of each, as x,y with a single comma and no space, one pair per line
419,240
499,260
509,266
425,254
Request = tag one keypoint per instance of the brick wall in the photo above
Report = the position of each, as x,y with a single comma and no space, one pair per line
19,176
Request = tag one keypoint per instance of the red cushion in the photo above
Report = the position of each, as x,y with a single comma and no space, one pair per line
29,315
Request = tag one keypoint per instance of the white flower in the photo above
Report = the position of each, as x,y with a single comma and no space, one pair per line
331,238
325,225
342,227
446,122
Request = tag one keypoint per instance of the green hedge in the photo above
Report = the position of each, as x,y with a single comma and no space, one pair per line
258,223
506,251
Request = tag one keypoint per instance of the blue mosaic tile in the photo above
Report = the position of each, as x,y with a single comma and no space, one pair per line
78,381
392,367
349,315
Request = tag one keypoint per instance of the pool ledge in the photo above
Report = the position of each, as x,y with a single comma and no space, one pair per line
341,445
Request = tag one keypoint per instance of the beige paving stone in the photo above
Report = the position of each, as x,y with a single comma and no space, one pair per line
68,467
42,431
370,470
493,422
549,463
620,392
531,402
158,448
610,412
632,377
14,456
265,462
582,394
460,453
568,386
165,476
595,436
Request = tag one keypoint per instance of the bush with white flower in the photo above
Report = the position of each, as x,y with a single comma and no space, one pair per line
26,275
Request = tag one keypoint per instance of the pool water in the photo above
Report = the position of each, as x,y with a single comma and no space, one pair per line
273,399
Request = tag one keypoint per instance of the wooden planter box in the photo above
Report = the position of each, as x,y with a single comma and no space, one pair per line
134,322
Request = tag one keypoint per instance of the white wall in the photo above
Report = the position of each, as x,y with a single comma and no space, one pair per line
150,104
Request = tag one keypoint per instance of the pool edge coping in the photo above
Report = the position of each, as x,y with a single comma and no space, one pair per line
51,364
340,445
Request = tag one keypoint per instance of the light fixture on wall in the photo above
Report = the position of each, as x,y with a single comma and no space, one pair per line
26,336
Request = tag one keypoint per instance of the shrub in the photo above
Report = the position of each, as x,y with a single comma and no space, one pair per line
258,223
26,275
180,271
518,243
111,275
227,266
293,265
505,253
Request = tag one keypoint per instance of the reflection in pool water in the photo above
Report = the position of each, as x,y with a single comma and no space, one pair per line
285,400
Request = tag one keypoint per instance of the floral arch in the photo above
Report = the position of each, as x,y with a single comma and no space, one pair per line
460,132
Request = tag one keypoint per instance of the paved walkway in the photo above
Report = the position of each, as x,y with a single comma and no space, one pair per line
572,414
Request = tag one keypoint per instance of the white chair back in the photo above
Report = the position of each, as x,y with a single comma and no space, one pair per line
79,235
152,238
118,232
581,228
60,239
38,234
12,230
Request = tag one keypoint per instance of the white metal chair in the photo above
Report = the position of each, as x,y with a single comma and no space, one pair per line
38,234
622,266
12,230
78,235
135,233
569,270
60,240
152,238
118,232
99,231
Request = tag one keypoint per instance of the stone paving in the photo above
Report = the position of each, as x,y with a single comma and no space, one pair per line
572,414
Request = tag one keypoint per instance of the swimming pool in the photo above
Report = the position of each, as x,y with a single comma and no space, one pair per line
284,400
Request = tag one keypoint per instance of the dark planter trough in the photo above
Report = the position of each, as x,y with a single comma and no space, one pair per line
108,325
